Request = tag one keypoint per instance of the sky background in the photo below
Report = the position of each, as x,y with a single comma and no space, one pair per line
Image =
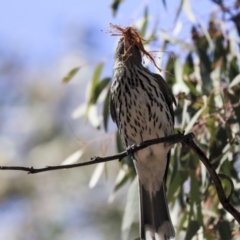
42,31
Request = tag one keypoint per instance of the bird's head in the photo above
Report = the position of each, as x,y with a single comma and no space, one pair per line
130,47
128,52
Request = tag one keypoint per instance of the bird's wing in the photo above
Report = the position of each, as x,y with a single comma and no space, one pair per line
167,93
170,99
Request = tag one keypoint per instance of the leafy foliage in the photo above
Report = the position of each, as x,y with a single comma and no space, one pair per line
71,74
205,81
115,5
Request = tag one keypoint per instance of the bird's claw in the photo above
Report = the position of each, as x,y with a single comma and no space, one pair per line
129,150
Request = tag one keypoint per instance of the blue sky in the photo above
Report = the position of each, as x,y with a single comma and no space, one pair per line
39,29
42,30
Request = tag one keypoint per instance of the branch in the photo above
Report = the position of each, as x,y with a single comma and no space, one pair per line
173,139
225,201
176,138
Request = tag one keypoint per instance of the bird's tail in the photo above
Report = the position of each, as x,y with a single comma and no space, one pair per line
156,222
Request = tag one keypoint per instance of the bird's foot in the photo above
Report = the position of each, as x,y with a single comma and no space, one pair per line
129,150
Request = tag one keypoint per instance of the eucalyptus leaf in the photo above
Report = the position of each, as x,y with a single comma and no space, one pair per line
98,88
70,75
130,209
115,5
95,81
193,120
106,112
128,176
188,10
224,230
194,192
145,22
164,3
179,10
235,81
192,229
73,158
96,174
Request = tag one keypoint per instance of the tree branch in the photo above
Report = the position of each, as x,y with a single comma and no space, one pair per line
176,138
225,201
173,139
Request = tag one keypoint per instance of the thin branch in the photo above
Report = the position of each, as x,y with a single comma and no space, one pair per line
225,201
134,148
176,138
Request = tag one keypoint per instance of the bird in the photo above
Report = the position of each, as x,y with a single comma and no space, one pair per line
141,105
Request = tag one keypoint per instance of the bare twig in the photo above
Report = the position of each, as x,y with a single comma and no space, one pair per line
176,138
134,148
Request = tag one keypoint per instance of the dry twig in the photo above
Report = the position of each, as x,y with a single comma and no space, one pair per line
173,139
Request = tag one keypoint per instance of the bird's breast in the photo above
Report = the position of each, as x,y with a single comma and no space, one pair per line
143,114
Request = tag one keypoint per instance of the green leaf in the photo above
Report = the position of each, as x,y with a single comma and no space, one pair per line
217,146
219,51
170,72
231,121
192,88
73,158
174,160
178,68
93,116
233,69
235,81
120,148
167,37
94,89
211,126
225,169
236,19
182,221
106,111
130,209
142,32
128,175
96,76
192,229
211,104
121,183
189,65
179,10
193,120
99,86
224,230
235,100
185,113
164,3
152,36
175,185
70,74
202,45
194,192
97,174
188,10
115,6
178,180
199,211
